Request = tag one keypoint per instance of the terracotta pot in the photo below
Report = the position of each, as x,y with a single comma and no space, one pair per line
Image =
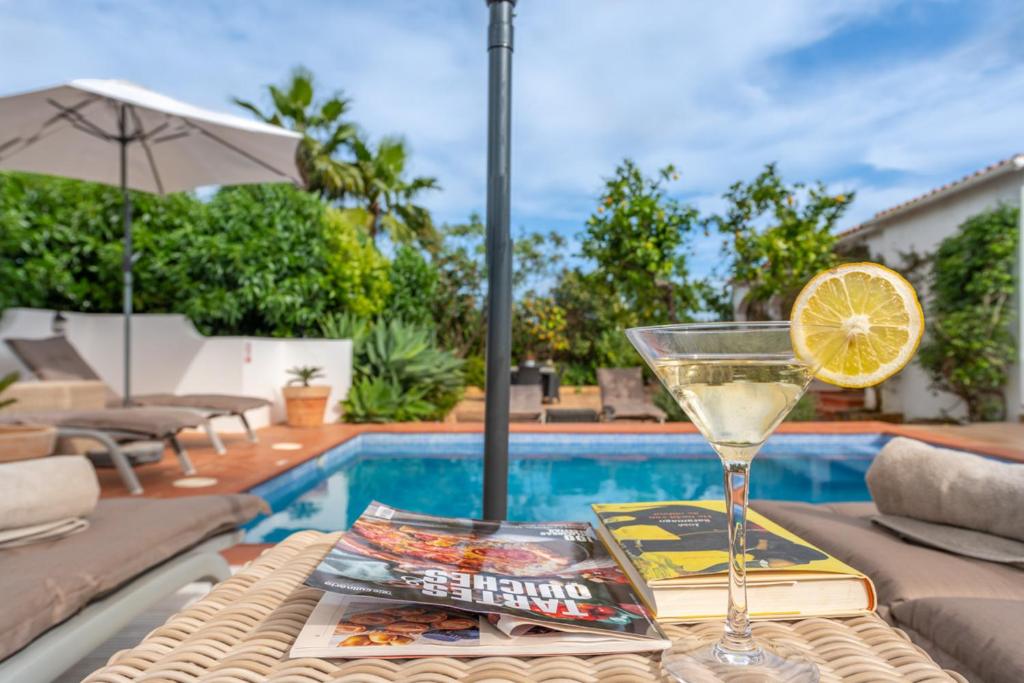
306,405
22,442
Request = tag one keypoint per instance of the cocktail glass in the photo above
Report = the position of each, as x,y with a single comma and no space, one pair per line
736,381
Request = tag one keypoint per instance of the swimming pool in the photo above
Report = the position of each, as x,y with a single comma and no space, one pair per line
552,476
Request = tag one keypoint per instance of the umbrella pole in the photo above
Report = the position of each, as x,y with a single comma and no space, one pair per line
126,263
499,260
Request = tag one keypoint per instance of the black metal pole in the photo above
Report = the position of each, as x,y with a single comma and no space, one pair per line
499,259
126,263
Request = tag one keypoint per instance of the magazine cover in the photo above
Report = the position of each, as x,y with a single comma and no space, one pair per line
675,539
344,626
554,574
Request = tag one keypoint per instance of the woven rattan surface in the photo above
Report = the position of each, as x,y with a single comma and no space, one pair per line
242,630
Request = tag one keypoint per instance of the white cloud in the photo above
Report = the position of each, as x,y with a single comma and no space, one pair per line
698,84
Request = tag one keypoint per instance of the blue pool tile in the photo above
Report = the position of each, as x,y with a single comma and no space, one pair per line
552,475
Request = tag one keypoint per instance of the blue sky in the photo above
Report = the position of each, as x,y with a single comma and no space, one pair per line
885,98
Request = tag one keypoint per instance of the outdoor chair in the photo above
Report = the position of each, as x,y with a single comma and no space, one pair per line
118,430
63,598
623,396
527,374
128,436
55,358
526,403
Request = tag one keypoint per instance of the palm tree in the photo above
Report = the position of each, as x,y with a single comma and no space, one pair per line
388,196
325,132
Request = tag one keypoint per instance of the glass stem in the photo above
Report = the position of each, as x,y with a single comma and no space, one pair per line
737,642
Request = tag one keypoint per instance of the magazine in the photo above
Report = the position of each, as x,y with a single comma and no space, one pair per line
343,626
529,575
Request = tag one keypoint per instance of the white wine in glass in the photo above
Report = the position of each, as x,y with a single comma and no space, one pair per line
736,382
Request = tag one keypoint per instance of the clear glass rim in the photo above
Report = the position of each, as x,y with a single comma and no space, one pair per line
717,326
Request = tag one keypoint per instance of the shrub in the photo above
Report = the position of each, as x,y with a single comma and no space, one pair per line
265,260
475,371
402,375
413,287
805,410
666,402
970,348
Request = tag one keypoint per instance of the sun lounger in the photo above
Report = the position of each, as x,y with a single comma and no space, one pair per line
63,598
967,613
56,358
112,427
623,396
526,403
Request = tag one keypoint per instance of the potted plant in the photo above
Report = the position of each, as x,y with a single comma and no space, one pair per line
305,403
21,442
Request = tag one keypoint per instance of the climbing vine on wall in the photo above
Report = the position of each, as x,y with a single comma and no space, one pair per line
970,348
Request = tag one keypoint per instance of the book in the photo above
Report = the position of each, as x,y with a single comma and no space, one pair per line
676,556
529,580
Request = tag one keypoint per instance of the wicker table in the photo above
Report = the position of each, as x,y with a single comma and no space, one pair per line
242,630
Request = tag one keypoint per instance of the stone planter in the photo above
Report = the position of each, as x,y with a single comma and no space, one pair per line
22,442
306,405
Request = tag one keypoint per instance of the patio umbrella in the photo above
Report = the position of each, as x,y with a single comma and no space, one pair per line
499,258
121,134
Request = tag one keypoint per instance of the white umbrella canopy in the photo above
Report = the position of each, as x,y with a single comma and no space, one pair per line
122,134
75,130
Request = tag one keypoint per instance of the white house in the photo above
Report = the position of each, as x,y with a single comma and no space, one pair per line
919,225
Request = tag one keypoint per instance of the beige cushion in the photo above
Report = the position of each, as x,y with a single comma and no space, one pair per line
73,394
978,637
900,571
52,358
46,583
152,422
224,403
45,490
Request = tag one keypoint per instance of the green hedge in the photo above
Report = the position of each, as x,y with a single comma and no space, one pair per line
256,260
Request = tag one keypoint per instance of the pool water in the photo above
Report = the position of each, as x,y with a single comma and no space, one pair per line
552,476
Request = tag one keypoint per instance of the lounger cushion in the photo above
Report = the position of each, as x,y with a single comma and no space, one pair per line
977,637
151,422
900,571
45,584
52,358
222,403
636,410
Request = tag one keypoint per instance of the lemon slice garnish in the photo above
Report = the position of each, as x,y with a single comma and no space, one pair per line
858,324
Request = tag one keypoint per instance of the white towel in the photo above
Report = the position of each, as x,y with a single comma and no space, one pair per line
913,479
44,490
42,532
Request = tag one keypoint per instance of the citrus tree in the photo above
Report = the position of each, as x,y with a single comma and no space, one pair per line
637,238
778,235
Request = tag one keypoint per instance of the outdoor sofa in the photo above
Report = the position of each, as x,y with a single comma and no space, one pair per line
63,598
967,613
54,358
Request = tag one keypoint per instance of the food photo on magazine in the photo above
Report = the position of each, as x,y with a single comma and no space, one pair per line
420,585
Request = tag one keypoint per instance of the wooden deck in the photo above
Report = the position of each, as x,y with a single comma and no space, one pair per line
246,464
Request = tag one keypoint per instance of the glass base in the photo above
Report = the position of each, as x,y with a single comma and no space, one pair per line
700,662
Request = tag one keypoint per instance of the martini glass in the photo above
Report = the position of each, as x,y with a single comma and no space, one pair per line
736,381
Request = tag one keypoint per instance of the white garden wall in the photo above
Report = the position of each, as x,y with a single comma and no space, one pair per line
169,355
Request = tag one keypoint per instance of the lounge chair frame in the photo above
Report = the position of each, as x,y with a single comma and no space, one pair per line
64,645
109,440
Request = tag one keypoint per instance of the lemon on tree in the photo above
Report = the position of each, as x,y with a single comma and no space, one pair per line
861,322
